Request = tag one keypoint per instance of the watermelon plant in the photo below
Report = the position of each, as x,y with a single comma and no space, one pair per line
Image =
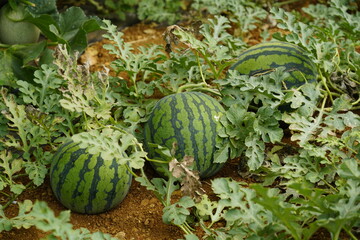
191,121
41,216
298,182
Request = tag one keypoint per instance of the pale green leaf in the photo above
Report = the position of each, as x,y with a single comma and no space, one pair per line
178,212
255,151
221,155
349,169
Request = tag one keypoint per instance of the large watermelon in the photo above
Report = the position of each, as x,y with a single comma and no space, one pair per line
85,183
263,58
191,120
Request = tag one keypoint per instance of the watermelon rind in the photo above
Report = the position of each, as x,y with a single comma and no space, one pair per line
191,120
264,58
86,183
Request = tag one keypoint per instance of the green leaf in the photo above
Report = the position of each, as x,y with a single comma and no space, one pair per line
44,91
9,164
69,27
42,7
43,218
255,151
161,11
284,212
236,206
45,23
28,52
305,128
36,170
191,237
333,211
178,212
17,188
267,125
113,144
11,69
221,155
5,223
349,169
207,208
70,22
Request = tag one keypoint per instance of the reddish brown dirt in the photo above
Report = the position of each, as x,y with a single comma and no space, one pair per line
138,217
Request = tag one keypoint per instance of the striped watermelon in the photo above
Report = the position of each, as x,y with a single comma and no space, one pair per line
85,183
263,58
190,119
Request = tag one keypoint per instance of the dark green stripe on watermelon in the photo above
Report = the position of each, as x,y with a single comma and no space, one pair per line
86,183
190,120
264,58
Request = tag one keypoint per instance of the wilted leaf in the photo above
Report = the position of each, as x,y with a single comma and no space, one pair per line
189,179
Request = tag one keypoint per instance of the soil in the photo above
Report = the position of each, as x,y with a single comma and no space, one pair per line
139,216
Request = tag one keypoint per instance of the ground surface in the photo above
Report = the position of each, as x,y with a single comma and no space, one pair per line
139,216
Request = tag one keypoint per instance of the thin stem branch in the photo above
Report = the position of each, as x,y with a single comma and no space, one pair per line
15,196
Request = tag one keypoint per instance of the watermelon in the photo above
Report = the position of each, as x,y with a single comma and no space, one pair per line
265,57
85,183
13,30
191,120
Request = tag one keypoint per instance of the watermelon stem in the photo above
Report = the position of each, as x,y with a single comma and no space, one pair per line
15,196
216,74
164,195
204,87
185,227
156,160
279,4
323,80
200,69
131,171
350,233
356,102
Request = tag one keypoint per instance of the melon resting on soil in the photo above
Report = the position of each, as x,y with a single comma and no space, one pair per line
86,183
191,120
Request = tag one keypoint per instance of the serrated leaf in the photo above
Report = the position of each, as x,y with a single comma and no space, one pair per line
255,151
9,164
284,212
235,205
17,188
36,172
11,69
221,154
5,223
266,124
178,212
206,208
191,237
112,144
349,169
305,127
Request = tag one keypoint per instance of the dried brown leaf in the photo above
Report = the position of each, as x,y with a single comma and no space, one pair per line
189,179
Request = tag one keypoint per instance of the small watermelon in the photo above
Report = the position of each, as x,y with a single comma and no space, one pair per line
191,120
13,30
264,58
85,183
